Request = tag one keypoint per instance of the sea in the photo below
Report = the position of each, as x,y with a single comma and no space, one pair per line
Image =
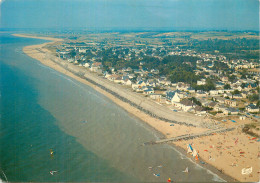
56,129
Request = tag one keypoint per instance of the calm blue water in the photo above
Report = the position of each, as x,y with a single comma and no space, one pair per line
42,109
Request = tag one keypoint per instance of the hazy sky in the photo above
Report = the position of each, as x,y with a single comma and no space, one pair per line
131,14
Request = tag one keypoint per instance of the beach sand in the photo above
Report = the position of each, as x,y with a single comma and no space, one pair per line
219,150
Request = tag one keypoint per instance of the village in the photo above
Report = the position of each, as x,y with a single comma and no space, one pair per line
224,87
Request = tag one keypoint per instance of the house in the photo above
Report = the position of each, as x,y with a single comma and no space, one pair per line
231,103
213,92
236,87
186,104
167,83
95,66
244,94
153,84
221,100
220,85
201,94
229,95
219,107
237,96
112,77
201,82
224,79
155,96
138,84
220,91
118,79
199,110
148,91
191,90
252,108
86,65
141,83
203,101
173,97
127,82
182,86
230,111
242,117
212,104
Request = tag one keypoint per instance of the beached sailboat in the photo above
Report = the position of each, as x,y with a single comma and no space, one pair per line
186,170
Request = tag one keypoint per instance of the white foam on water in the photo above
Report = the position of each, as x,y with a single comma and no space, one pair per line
1,181
216,178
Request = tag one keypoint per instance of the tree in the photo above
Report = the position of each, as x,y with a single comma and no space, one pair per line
243,85
254,97
227,86
194,100
235,92
72,53
232,78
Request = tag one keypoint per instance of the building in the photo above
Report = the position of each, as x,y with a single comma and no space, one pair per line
186,104
213,92
148,91
201,94
252,108
231,103
201,82
173,97
230,111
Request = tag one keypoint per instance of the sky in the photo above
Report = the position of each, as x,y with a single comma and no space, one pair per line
131,14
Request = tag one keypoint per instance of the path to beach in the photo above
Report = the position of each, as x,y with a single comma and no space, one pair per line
218,150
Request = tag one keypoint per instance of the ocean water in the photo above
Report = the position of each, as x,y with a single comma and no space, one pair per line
93,139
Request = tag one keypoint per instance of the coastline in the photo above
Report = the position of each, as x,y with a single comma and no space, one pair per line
161,127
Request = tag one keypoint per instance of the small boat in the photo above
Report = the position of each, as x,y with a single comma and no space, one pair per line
186,170
156,175
171,124
150,167
85,121
160,166
52,172
51,152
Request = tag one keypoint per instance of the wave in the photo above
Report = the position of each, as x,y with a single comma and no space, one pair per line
1,181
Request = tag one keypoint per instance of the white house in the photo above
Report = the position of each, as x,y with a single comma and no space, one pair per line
252,108
173,97
201,82
231,111
127,82
201,94
213,92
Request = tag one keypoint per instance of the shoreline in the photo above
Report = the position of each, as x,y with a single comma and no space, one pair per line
157,125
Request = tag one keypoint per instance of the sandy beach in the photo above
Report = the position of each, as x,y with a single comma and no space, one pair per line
228,152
